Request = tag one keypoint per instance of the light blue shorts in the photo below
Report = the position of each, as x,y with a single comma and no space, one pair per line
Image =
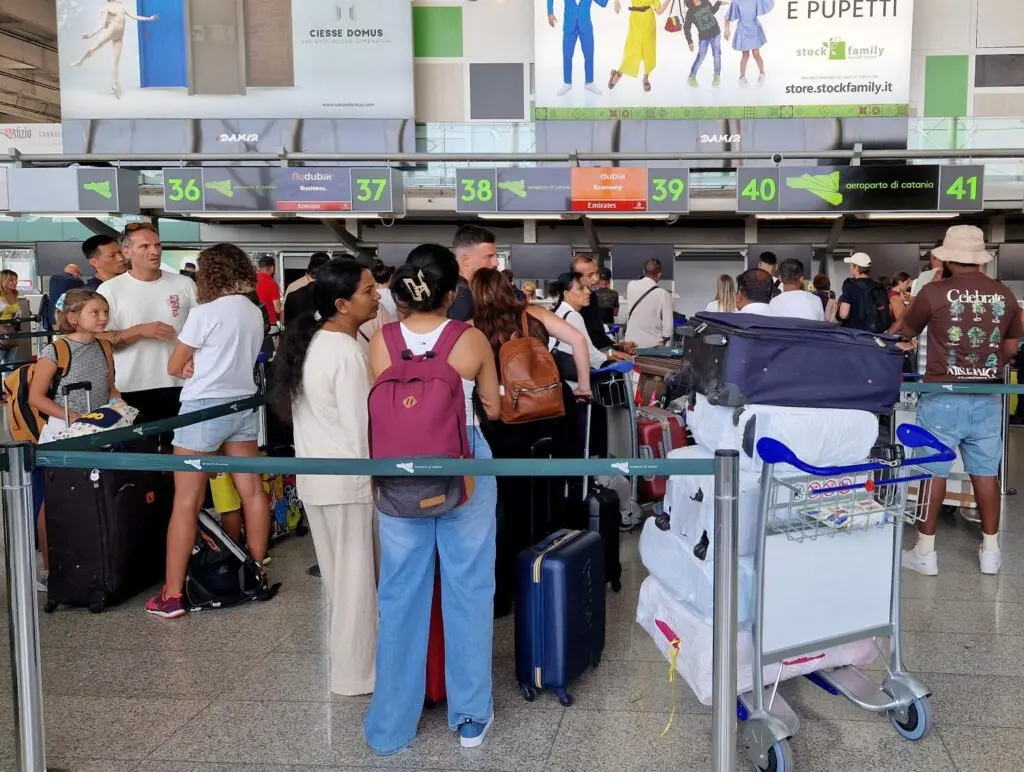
970,423
208,436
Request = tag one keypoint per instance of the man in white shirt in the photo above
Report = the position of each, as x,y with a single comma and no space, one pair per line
650,320
754,292
795,302
148,308
927,276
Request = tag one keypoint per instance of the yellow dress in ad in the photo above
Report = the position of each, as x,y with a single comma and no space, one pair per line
641,40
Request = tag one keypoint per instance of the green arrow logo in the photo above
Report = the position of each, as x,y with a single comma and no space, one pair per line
515,187
824,186
99,188
224,187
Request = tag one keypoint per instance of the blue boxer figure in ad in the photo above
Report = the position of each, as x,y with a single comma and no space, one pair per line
576,25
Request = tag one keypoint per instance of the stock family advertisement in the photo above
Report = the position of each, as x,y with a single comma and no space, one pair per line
235,59
703,59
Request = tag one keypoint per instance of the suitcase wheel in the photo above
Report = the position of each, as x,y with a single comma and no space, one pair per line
563,697
50,607
529,694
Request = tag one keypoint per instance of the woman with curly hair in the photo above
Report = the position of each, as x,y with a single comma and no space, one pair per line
215,355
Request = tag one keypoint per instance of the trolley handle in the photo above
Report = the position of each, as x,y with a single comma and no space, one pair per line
774,452
615,367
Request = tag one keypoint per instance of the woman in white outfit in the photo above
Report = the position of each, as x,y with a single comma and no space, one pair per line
112,23
725,296
322,382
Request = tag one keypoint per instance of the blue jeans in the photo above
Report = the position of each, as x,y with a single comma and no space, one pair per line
208,436
715,44
464,539
972,423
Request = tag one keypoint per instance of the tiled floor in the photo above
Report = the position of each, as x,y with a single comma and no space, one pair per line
246,689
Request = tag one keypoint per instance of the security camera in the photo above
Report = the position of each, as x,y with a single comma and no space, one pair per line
777,158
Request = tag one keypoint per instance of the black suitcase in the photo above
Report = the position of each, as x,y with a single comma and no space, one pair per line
560,612
742,359
598,511
106,531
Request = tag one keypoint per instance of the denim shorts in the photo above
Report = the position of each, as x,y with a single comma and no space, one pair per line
208,436
970,423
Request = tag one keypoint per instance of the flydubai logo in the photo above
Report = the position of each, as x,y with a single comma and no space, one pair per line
824,186
238,138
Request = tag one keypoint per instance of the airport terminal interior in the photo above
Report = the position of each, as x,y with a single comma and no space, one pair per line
685,145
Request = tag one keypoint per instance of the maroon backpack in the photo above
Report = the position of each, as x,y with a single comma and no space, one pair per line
418,410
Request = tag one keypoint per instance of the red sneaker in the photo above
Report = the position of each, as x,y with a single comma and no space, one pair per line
166,606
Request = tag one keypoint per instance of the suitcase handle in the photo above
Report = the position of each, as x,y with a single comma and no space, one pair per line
774,452
67,388
624,366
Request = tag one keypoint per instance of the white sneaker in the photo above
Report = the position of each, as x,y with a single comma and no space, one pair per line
991,560
565,89
593,89
923,564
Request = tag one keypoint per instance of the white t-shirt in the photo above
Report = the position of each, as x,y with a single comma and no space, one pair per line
597,358
388,301
761,309
169,299
226,334
798,304
331,418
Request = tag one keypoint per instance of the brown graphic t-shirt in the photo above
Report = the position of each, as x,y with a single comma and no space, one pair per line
968,317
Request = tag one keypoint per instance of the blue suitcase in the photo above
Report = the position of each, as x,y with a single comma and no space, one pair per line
560,612
748,359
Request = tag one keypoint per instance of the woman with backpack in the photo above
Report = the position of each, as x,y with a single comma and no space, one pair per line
427,368
321,383
498,315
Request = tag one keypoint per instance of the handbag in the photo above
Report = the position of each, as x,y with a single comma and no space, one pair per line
674,23
564,361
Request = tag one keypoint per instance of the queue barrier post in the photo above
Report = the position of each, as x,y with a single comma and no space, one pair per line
23,609
1004,486
723,695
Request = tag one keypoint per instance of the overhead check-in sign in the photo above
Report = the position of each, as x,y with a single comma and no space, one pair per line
565,190
842,189
306,189
74,190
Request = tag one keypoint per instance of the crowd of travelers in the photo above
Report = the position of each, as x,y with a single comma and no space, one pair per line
170,344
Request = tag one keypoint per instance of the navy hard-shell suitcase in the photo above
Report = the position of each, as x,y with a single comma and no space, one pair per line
749,359
560,612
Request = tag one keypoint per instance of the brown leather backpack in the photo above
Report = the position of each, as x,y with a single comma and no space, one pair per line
531,388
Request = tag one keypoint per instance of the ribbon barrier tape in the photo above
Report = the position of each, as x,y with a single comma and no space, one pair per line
659,352
962,388
129,433
27,335
49,456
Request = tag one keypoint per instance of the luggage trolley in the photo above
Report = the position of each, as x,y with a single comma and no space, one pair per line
824,528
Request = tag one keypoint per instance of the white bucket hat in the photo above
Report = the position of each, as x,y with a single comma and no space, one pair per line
963,244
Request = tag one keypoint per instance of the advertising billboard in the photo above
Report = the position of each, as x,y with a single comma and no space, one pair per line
30,138
235,59
698,59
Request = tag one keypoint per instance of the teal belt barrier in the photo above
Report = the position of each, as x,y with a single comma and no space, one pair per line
26,335
129,433
963,388
49,456
659,352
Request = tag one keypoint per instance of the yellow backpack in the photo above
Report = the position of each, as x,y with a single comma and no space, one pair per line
24,421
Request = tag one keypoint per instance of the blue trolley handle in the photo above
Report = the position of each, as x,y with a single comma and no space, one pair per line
774,452
625,366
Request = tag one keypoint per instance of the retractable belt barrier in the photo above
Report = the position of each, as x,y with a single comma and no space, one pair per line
26,335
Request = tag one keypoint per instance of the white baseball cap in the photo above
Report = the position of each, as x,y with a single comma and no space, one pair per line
860,259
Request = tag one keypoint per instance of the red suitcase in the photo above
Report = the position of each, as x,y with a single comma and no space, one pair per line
436,691
658,432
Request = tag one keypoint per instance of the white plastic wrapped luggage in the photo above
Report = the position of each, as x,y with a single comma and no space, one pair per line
670,559
694,661
818,436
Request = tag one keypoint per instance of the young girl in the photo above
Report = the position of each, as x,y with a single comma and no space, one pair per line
323,384
215,354
81,314
749,36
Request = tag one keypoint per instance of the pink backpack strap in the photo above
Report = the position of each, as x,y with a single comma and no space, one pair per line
394,340
448,338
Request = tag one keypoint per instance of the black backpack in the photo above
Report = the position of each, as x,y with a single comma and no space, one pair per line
221,573
873,312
